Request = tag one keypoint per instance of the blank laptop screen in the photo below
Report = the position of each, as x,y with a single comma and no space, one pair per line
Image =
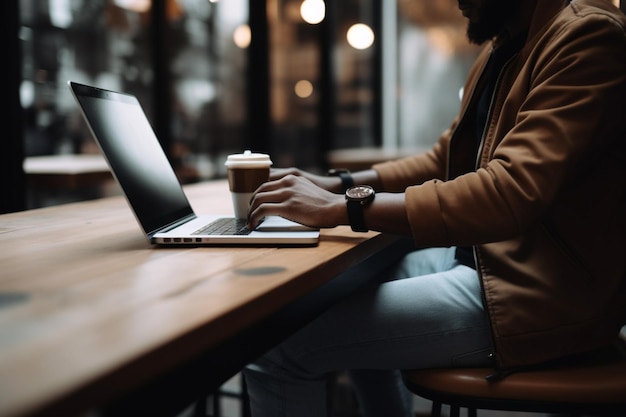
135,156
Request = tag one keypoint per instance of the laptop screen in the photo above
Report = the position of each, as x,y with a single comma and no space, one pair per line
135,156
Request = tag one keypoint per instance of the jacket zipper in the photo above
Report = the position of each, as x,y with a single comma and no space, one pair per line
499,373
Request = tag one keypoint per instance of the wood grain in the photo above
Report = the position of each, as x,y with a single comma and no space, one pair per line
83,296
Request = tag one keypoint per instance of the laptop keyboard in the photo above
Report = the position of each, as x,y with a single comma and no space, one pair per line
224,226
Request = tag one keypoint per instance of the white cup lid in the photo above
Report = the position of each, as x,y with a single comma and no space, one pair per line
248,159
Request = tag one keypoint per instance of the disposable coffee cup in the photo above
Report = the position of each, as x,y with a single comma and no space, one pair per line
246,172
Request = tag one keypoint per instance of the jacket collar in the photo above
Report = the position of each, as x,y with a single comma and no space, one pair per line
545,10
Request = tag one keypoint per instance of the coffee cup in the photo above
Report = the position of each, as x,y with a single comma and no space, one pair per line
246,172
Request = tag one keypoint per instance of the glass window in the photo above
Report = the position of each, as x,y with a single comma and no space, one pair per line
295,90
110,44
208,67
430,62
322,78
325,69
434,57
95,42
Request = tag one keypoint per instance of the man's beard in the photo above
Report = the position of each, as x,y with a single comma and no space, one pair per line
494,16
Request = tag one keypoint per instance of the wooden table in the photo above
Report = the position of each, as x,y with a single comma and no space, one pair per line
55,179
66,171
92,317
355,159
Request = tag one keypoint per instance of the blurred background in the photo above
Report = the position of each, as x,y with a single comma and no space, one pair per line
313,83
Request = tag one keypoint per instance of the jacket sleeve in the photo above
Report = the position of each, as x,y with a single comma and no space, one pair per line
399,174
558,123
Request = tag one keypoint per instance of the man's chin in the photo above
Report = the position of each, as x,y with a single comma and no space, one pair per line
478,34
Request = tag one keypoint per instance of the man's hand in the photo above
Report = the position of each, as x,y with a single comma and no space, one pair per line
332,184
297,198
318,201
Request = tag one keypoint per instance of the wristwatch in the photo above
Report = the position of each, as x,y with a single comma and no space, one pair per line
346,178
357,197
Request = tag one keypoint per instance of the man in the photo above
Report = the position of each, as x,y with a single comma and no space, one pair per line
522,202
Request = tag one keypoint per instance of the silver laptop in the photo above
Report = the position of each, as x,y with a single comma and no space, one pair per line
136,159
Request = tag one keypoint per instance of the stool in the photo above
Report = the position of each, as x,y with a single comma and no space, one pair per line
591,384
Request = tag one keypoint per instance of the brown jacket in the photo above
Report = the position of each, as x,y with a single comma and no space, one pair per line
545,203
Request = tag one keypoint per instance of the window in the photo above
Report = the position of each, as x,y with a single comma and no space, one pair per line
113,44
338,73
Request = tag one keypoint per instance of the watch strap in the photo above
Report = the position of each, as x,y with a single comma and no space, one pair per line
346,180
344,175
355,216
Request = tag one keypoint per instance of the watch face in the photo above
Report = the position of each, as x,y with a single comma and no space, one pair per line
360,192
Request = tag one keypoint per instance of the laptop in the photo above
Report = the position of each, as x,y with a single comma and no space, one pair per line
138,163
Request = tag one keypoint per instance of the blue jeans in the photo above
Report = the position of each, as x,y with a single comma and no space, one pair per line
426,313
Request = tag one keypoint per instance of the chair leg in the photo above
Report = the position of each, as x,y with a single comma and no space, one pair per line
217,406
436,409
454,411
200,408
245,400
471,412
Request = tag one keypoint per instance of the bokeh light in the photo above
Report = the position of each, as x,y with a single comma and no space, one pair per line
360,36
303,88
242,36
313,11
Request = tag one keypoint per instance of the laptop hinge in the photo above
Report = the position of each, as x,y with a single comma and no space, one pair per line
175,224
